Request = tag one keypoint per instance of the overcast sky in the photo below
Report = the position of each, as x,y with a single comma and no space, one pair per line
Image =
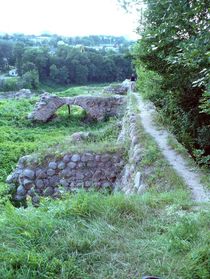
66,17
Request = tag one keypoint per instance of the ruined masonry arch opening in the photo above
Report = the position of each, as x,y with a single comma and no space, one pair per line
71,112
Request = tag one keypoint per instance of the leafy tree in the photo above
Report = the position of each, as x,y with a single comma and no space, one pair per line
81,74
64,64
175,45
40,57
18,51
30,80
54,73
63,75
5,54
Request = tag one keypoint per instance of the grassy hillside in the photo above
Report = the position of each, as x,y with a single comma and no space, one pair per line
98,235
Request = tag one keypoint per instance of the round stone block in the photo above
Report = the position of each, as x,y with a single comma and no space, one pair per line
21,191
50,172
48,191
40,173
39,183
52,165
67,158
61,166
71,165
75,158
29,173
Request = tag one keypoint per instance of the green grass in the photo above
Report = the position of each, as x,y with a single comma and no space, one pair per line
95,235
70,91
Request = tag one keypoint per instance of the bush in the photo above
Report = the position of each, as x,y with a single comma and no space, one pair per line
30,80
9,84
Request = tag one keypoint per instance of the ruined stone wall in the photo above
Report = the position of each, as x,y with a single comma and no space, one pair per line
83,170
97,108
131,180
68,172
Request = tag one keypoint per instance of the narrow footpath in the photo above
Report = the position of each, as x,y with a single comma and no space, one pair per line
191,178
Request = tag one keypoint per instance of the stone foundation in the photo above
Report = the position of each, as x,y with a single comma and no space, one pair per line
68,172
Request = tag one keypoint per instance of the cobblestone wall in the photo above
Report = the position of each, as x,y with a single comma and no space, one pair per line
69,172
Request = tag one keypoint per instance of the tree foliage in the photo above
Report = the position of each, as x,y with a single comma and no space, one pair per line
175,45
66,63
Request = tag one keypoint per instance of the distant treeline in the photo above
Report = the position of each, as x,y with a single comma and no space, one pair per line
62,63
52,40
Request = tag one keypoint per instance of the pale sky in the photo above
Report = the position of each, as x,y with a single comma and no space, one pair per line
66,17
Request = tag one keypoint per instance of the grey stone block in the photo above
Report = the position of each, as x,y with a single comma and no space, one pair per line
71,165
52,165
105,158
35,200
40,173
50,172
27,184
29,173
61,166
97,158
75,158
87,157
31,192
137,180
135,140
21,191
64,183
67,158
67,172
19,197
39,183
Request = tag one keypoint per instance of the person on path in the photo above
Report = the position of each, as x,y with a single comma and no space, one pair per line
132,82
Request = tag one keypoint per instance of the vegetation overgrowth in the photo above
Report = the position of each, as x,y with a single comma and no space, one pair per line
172,62
20,137
97,234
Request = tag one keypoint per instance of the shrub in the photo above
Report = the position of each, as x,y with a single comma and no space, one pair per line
9,84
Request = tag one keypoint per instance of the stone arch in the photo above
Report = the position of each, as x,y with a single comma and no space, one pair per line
97,108
71,111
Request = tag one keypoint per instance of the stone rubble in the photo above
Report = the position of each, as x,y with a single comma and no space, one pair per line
119,89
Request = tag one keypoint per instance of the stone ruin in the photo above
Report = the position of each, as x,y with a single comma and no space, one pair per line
97,108
69,172
51,175
119,89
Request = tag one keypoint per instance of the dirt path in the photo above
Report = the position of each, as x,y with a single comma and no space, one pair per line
191,178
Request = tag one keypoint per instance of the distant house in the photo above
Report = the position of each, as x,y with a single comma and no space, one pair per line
13,73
